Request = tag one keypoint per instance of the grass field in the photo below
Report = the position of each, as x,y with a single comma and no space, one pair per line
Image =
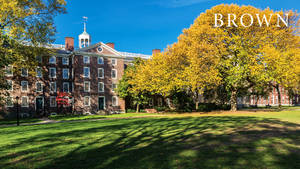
246,139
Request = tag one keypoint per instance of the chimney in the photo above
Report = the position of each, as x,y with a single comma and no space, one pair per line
155,51
110,44
69,43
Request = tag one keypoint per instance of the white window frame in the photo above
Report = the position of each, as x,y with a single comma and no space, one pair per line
36,70
11,69
22,86
22,101
88,61
52,97
68,73
102,76
112,87
64,87
65,60
115,73
102,89
12,101
88,71
100,58
112,101
89,89
53,83
89,101
52,68
36,88
12,85
54,60
115,61
26,75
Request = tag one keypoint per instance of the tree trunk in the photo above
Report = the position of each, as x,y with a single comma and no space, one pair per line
138,108
170,104
197,105
279,95
233,100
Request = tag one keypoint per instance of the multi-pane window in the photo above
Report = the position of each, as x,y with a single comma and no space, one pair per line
39,59
100,73
9,71
24,72
52,60
100,87
86,86
66,87
9,102
24,86
86,101
114,61
100,60
86,59
66,73
24,101
65,61
86,72
115,101
39,87
10,85
114,73
52,72
39,72
114,87
52,86
52,101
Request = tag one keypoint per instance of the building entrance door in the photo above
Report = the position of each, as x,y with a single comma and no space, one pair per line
101,103
39,103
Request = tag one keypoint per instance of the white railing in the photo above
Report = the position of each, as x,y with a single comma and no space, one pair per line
127,54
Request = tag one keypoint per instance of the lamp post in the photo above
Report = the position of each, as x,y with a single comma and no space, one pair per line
18,115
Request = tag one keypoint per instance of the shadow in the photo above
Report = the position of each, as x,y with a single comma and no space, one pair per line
191,142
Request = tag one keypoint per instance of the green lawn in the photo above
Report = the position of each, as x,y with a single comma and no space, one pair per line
22,121
237,140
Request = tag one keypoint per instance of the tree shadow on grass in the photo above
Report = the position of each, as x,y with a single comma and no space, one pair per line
192,142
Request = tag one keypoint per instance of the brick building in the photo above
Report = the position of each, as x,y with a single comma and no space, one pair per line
89,74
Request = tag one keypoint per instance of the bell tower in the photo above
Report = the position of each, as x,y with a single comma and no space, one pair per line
84,38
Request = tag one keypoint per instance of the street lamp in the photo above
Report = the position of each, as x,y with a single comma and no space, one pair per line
18,116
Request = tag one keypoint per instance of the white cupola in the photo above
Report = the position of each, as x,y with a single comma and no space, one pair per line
84,38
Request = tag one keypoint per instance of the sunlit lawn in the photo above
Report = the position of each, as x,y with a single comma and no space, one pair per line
214,140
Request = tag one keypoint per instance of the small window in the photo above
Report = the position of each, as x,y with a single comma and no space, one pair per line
86,86
24,101
115,101
52,86
10,85
65,61
100,87
39,59
24,72
100,60
66,87
86,59
52,72
86,101
9,102
114,61
100,73
52,60
114,73
39,87
9,71
52,101
65,73
24,86
39,72
86,72
114,87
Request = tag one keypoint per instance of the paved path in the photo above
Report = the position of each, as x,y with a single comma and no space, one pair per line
49,121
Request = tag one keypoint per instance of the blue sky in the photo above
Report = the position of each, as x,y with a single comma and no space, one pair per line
142,25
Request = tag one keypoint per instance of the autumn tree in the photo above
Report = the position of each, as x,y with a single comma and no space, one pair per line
26,27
